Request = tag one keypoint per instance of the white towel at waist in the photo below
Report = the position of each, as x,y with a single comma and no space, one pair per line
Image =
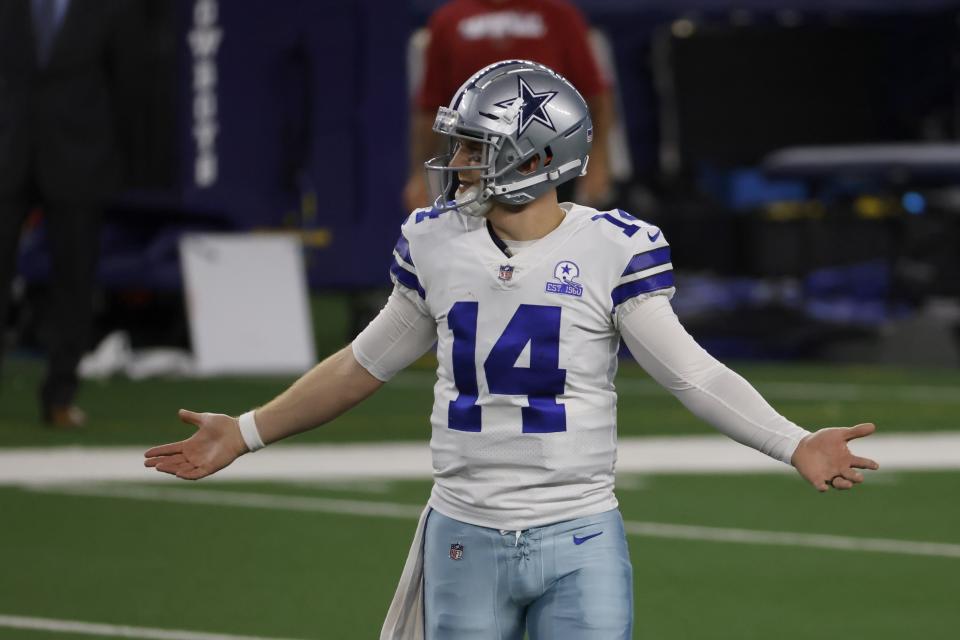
405,616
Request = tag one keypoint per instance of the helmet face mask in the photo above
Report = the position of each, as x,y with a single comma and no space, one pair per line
515,110
443,177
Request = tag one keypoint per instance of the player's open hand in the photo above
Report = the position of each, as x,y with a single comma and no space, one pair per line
216,443
824,459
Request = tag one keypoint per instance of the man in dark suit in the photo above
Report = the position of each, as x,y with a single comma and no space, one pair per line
60,63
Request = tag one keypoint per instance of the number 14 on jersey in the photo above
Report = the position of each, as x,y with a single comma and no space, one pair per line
541,382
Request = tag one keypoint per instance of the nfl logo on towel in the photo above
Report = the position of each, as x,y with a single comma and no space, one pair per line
506,272
456,551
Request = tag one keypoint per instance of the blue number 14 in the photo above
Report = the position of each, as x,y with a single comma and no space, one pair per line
541,382
628,229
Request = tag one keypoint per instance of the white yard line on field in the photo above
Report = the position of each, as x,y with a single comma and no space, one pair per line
237,499
792,539
411,460
411,512
113,631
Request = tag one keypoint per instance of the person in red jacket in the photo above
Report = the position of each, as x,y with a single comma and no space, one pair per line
466,35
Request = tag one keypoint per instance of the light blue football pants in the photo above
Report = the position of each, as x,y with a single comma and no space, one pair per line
566,581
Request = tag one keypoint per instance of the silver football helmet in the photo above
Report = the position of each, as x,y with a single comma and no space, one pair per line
516,110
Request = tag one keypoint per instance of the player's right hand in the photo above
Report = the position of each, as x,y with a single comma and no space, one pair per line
216,443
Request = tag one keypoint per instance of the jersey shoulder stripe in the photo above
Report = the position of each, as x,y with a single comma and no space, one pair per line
405,277
402,270
402,250
646,259
648,284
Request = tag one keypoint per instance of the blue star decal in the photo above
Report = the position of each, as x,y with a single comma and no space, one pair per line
566,268
532,106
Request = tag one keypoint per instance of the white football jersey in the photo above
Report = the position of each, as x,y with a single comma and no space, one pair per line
524,414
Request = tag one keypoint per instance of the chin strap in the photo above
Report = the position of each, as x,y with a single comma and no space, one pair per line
543,177
474,203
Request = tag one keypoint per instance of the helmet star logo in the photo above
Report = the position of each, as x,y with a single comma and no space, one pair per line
532,106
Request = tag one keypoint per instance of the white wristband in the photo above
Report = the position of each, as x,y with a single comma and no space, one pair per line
248,429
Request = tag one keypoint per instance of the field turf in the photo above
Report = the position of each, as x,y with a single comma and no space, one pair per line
284,573
301,574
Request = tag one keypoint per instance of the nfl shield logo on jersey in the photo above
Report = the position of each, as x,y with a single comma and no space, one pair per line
456,551
565,272
506,272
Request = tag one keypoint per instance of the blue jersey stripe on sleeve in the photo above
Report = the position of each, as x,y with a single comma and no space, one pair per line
407,279
646,260
632,289
403,250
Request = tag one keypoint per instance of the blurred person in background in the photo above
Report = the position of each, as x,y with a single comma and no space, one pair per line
465,35
62,64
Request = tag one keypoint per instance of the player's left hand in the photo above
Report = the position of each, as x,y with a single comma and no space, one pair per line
824,459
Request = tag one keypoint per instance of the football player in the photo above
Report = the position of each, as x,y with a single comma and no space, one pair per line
527,300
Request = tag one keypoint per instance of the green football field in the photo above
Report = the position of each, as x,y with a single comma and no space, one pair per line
715,556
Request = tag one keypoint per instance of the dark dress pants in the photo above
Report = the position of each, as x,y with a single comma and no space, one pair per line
73,241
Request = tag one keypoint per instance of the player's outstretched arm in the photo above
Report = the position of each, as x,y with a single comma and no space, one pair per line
323,393
720,397
824,459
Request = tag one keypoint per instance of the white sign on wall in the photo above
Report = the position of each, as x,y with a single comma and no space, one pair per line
247,303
